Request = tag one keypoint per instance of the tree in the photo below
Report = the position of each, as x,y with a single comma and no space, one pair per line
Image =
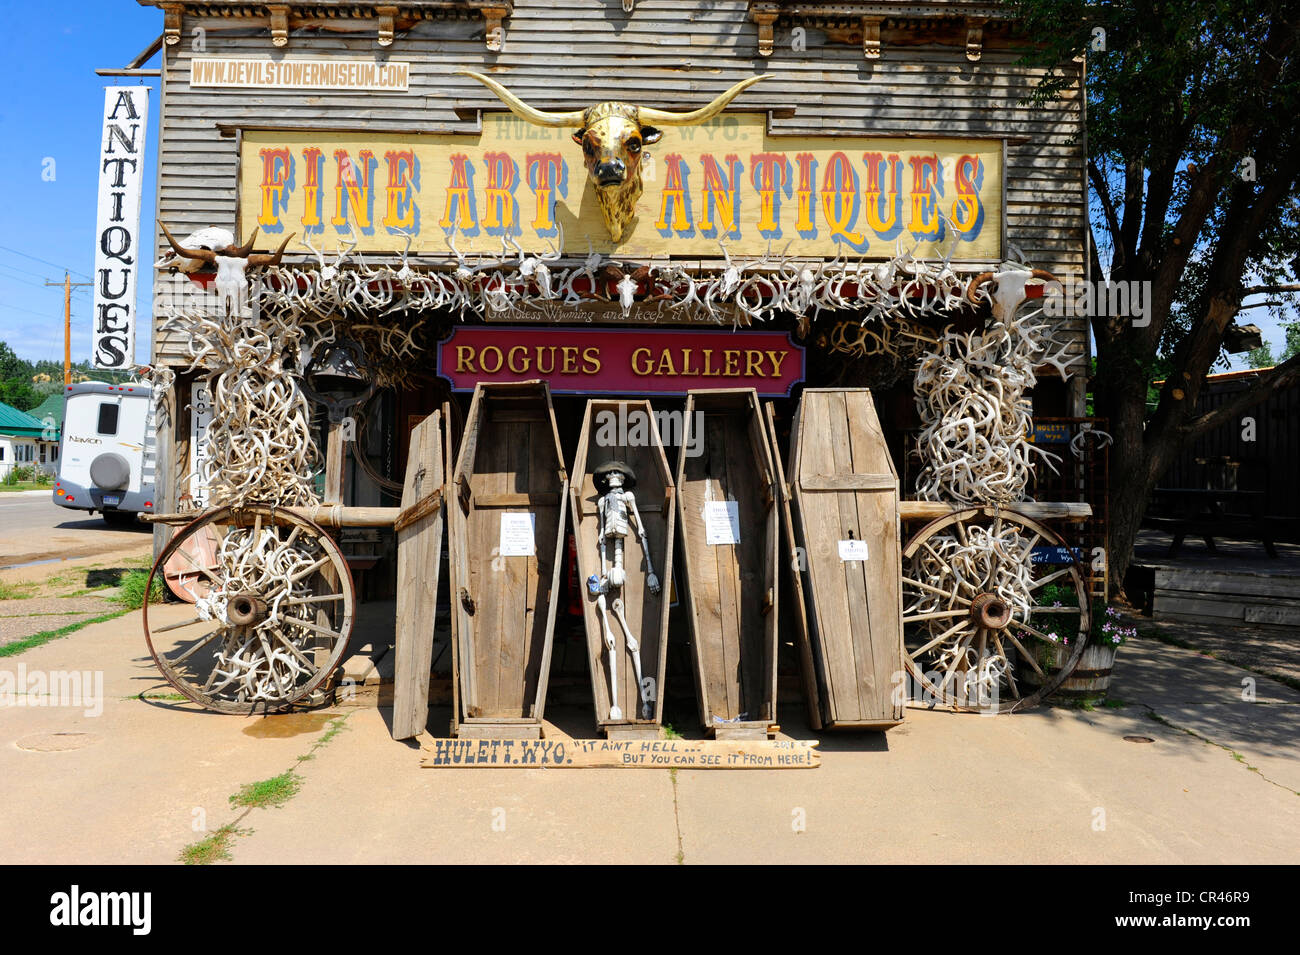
1194,156
1261,357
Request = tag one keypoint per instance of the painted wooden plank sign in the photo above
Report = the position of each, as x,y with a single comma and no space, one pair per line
728,179
845,542
620,754
727,523
507,508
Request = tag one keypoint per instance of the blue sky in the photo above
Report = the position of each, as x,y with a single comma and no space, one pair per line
53,110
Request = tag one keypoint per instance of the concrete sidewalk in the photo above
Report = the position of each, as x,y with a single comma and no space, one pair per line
1054,785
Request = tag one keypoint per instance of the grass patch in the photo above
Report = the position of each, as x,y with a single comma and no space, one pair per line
161,697
215,848
19,646
670,733
17,591
132,594
25,486
275,791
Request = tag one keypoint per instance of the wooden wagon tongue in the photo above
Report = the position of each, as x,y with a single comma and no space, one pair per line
727,514
507,520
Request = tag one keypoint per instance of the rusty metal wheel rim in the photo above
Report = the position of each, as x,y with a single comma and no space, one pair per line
334,599
980,621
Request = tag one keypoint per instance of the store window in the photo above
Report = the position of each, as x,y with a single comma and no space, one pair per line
107,418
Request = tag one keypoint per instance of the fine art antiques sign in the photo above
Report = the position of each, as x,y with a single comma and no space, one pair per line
727,180
117,225
622,361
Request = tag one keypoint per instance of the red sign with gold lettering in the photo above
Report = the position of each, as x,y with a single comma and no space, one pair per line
617,361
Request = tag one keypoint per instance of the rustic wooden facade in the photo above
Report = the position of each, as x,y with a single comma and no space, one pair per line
850,68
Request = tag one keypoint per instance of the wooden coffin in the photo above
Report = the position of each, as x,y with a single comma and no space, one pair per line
730,587
626,431
846,540
503,604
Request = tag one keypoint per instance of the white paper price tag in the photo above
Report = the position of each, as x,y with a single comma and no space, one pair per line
721,522
853,550
517,535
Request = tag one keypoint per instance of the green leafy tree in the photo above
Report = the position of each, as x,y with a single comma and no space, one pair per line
1194,156
1261,357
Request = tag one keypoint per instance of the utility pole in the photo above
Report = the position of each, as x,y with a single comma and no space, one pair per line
67,284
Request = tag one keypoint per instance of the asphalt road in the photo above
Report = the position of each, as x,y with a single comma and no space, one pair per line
33,527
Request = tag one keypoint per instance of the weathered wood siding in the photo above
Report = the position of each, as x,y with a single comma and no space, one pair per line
666,54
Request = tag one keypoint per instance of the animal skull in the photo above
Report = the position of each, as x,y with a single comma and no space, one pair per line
612,136
231,263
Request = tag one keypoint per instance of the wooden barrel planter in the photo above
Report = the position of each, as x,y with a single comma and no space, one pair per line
506,515
634,441
727,523
1089,681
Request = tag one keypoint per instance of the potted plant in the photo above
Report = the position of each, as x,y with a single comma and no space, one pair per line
1090,681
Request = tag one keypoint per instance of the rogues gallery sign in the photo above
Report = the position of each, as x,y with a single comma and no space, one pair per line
725,180
622,362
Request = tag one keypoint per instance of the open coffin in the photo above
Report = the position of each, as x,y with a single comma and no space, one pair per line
727,522
506,517
625,431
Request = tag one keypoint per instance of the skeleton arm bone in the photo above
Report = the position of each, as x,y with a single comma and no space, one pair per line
651,581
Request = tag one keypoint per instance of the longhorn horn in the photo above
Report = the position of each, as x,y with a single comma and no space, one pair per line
523,110
1043,274
274,257
975,283
242,251
665,118
203,255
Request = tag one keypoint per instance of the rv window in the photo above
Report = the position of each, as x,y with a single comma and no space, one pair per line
107,418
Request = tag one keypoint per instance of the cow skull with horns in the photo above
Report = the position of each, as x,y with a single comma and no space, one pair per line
231,262
612,136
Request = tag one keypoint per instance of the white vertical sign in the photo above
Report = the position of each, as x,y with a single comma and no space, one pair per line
200,418
117,227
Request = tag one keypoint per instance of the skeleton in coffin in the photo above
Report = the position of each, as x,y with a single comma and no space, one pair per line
616,513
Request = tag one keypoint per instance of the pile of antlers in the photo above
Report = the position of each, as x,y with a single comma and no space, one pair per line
260,444
265,662
970,393
957,568
735,291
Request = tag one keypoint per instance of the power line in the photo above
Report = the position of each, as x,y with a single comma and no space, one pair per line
15,308
61,268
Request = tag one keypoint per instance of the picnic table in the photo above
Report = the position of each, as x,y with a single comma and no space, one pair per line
1209,513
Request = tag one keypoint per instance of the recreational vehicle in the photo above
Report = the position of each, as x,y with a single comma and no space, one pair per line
107,451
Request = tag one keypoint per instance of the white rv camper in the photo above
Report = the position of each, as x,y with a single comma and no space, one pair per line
108,451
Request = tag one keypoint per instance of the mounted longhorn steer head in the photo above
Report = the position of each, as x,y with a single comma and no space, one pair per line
231,263
612,136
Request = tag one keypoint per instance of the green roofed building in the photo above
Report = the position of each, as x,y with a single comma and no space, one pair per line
30,439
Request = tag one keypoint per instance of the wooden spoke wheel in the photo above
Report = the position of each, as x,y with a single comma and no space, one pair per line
989,624
272,622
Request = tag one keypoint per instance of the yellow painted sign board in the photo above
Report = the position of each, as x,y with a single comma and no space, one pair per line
727,181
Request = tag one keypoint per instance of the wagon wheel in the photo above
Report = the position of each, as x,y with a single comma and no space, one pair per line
985,626
274,621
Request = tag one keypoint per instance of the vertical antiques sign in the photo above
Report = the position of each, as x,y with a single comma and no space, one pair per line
117,225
